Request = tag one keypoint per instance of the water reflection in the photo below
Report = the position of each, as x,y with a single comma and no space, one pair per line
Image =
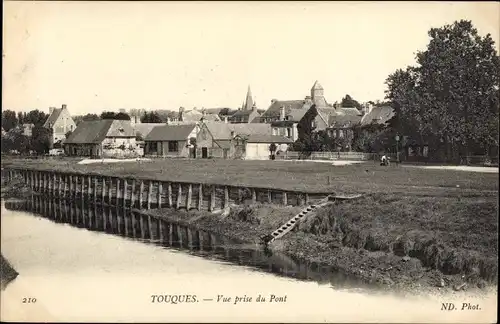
136,226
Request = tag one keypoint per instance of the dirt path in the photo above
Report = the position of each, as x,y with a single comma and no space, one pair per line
455,168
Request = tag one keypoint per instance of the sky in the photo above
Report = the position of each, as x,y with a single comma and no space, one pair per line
95,56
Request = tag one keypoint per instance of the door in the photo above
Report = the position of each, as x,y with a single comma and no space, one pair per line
204,152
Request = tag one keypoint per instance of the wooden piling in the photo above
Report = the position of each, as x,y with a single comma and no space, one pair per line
170,234
95,190
150,227
161,236
132,194
143,228
169,189
189,196
200,197
158,199
82,178
150,193
254,195
141,194
179,194
103,191
226,197
110,191
211,205
269,197
125,193
89,188
118,192
133,223
307,199
285,198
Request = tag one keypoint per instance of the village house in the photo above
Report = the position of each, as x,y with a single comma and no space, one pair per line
171,141
248,111
216,139
258,147
284,116
102,138
341,125
60,122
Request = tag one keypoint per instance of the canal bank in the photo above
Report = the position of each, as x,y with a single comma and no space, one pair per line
365,247
77,275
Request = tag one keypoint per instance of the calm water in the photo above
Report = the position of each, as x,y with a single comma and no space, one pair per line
77,274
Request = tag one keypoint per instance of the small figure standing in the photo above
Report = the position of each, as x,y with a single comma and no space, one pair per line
384,160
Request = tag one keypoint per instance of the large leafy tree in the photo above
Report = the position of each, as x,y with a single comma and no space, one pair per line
450,99
41,139
9,120
36,117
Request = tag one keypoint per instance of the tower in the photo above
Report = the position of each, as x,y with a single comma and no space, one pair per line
248,101
317,95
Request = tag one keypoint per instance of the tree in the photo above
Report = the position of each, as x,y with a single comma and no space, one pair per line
9,120
36,117
113,115
349,102
450,99
41,139
151,117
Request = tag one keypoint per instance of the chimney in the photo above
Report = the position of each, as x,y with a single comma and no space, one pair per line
232,134
273,101
51,110
254,107
282,113
64,106
225,119
368,108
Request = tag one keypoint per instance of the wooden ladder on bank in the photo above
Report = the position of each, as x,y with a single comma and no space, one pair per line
290,225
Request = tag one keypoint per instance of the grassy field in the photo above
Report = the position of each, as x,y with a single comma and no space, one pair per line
307,176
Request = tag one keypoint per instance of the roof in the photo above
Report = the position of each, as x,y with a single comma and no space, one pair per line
191,115
296,109
120,128
53,117
90,132
264,138
378,115
170,133
212,117
317,86
145,128
222,131
326,113
345,117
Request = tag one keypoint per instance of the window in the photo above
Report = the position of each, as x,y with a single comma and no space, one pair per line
173,146
289,132
153,146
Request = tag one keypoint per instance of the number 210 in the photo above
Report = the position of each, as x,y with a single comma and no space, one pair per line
29,300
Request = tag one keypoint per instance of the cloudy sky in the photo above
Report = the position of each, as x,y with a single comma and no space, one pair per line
162,55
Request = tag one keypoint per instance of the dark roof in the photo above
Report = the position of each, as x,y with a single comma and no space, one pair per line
90,132
263,138
145,128
293,108
170,133
222,131
95,131
345,117
52,117
378,115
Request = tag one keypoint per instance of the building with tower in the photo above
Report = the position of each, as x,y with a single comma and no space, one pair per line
248,111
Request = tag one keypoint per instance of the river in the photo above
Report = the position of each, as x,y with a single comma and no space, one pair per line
76,274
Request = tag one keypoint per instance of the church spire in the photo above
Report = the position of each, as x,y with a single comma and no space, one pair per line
248,100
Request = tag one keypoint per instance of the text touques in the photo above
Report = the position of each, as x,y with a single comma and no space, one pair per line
184,299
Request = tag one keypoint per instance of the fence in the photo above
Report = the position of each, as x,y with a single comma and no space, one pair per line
352,156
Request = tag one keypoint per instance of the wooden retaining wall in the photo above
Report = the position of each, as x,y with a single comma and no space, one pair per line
148,194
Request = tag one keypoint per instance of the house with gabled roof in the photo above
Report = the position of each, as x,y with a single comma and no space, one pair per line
286,115
216,139
171,141
60,122
102,138
258,146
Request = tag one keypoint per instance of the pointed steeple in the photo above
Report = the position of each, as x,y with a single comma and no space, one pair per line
248,100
